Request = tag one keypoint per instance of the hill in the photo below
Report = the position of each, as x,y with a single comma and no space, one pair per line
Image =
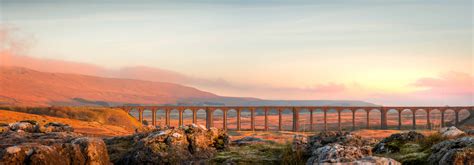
26,87
22,86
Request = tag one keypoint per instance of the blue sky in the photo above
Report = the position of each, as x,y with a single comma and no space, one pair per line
380,46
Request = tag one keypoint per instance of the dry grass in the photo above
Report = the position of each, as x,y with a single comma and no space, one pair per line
84,127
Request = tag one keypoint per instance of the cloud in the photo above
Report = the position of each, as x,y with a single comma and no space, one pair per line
449,83
449,88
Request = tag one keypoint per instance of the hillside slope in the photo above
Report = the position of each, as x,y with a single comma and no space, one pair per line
21,86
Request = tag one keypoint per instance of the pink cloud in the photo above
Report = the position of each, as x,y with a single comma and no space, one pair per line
450,83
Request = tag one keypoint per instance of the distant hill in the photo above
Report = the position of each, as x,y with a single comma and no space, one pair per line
22,86
26,87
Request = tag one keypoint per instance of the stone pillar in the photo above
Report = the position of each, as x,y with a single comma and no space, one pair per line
325,119
414,119
295,119
252,119
266,119
238,118
224,118
456,122
167,111
442,118
353,120
383,117
153,116
400,120
311,119
339,120
140,115
180,117
195,116
279,120
368,119
428,122
209,120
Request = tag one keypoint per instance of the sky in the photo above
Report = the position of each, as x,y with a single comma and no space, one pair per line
400,52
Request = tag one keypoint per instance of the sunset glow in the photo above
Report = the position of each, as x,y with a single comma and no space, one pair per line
407,52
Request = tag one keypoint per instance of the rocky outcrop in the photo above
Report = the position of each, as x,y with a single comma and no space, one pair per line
394,141
26,143
374,160
170,146
249,140
451,132
57,127
458,151
334,153
337,147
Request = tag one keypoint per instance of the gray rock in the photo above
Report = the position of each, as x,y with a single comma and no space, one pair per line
173,146
450,132
26,145
336,153
384,146
374,160
457,151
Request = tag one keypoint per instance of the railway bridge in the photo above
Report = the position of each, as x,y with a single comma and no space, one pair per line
296,114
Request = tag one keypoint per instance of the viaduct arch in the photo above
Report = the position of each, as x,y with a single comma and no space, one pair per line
295,111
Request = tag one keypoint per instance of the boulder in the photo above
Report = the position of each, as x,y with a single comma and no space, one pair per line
176,145
57,127
335,147
392,143
25,126
451,132
374,160
26,145
335,153
457,151
300,143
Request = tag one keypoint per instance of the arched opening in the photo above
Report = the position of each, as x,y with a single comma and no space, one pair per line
259,119
201,117
435,119
361,119
346,120
218,119
174,118
287,120
420,116
134,113
245,119
318,120
272,119
375,119
160,118
463,115
449,117
304,120
147,117
187,117
231,119
407,119
392,119
331,119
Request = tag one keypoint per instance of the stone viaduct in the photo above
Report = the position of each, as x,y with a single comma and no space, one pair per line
295,112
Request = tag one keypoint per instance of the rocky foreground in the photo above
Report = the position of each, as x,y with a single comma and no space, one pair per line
27,142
